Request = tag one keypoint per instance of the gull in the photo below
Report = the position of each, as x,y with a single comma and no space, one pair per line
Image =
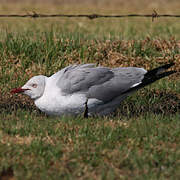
88,89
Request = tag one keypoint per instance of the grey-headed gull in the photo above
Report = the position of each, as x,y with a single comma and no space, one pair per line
89,89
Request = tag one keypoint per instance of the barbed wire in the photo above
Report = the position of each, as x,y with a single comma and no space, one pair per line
90,16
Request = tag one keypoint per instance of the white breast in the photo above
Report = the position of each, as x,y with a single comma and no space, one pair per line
54,103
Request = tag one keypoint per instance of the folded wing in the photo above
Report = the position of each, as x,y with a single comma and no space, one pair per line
101,83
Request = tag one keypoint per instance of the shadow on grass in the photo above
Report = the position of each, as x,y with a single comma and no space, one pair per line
158,102
7,174
13,103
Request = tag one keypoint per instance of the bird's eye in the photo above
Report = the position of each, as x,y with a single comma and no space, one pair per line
34,85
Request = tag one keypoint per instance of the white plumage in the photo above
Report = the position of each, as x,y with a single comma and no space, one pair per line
67,91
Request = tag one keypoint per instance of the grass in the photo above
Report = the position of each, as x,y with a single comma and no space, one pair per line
139,141
102,148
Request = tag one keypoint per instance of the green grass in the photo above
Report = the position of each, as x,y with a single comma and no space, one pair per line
50,148
139,141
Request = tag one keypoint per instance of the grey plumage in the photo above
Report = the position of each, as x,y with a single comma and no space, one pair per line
101,83
89,89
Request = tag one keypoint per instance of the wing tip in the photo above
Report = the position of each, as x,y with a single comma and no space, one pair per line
159,70
152,76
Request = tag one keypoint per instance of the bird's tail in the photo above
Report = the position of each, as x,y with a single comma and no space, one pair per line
152,76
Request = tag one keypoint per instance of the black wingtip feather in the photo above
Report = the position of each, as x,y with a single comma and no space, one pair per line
152,76
156,70
155,77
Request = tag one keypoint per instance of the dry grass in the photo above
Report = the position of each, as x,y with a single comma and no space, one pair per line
94,5
144,53
139,141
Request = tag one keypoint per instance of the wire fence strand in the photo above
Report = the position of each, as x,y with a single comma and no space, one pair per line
90,16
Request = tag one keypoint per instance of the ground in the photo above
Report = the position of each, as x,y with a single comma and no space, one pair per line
139,141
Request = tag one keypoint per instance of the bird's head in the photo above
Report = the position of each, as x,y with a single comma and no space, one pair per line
34,88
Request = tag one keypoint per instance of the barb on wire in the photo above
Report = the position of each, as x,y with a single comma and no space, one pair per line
154,15
90,16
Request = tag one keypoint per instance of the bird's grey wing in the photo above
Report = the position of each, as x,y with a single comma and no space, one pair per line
123,80
99,82
79,78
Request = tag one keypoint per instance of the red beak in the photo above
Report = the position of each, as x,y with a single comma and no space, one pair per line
18,90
